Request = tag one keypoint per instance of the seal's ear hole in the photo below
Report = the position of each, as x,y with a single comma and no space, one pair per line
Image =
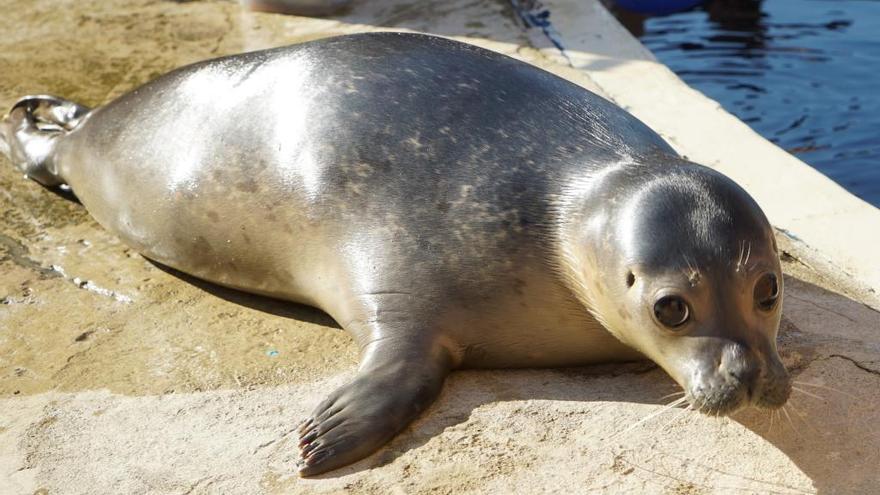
630,279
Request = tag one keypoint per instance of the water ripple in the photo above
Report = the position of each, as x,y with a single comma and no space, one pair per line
802,73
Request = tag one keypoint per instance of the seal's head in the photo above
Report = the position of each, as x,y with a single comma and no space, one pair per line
689,276
29,133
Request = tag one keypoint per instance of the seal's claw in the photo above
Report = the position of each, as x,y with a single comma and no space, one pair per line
305,425
329,454
308,438
318,463
307,449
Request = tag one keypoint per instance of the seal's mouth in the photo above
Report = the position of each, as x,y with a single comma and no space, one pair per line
725,397
718,402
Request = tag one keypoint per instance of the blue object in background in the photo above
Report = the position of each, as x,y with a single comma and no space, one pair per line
657,7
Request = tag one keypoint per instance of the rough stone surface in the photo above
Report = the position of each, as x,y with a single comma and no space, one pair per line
117,376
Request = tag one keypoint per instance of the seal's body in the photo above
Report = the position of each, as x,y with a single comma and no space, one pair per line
447,205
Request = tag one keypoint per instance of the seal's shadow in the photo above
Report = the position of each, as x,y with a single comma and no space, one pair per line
65,193
277,307
831,346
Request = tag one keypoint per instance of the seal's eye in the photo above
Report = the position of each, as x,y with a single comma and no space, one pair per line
767,291
671,311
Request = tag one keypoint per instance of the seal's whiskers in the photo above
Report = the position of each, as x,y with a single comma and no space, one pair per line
803,417
832,389
678,416
748,255
673,394
651,416
772,415
675,417
742,250
808,394
692,272
790,422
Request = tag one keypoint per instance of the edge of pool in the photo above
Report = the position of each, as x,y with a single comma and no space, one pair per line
827,227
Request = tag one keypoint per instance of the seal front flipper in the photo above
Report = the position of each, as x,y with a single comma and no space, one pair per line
399,377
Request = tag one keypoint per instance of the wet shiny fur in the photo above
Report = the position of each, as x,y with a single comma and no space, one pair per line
448,206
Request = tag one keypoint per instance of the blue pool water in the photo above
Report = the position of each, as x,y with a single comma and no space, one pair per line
805,74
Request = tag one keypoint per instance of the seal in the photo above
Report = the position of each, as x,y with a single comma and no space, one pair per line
450,207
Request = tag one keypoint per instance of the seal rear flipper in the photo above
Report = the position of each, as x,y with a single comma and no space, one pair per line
29,134
395,383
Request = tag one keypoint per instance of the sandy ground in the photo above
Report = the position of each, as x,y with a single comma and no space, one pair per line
117,376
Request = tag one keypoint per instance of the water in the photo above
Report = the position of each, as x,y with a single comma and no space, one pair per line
805,74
